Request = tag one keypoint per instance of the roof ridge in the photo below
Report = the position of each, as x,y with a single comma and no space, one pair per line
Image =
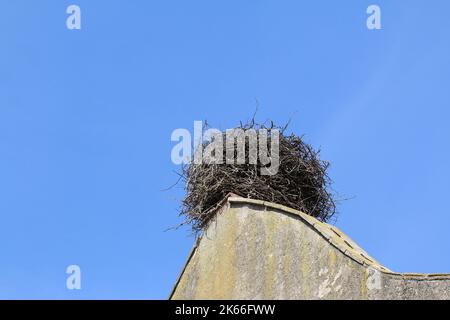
338,239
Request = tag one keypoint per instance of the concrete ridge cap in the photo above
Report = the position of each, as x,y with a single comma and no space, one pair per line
336,238
339,240
332,234
426,276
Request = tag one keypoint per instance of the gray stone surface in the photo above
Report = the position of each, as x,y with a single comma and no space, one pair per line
259,250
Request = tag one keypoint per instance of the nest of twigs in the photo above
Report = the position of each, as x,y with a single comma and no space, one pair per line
301,182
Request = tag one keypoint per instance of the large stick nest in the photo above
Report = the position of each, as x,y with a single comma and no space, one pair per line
301,182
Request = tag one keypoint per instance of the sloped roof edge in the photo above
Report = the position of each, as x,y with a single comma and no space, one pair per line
331,233
338,239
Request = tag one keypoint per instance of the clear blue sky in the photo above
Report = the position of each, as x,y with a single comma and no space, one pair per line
86,118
